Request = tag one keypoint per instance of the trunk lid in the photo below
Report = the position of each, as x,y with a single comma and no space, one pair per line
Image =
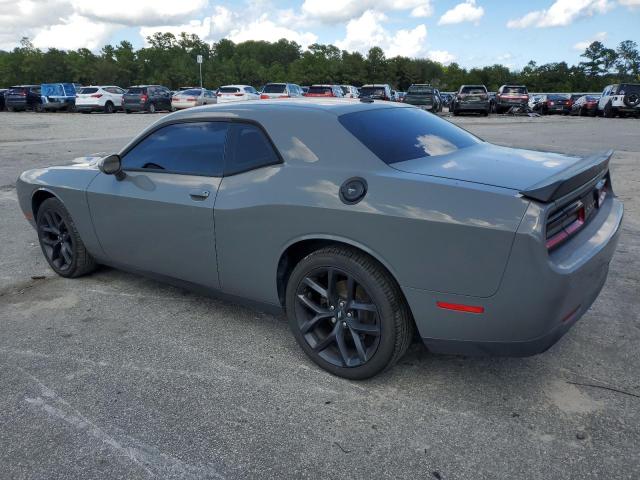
543,176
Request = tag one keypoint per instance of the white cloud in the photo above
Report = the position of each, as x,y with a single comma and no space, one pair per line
139,12
348,10
561,13
462,12
630,3
367,31
598,37
265,29
441,56
74,32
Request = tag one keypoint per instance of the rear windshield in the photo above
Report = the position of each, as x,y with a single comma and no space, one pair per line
229,90
274,88
419,90
193,91
17,90
626,89
371,91
558,97
474,90
88,90
515,90
320,90
136,90
415,133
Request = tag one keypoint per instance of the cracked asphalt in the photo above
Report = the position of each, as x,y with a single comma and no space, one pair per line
118,376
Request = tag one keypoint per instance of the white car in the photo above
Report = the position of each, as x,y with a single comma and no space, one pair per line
620,99
237,93
350,91
281,90
194,97
104,98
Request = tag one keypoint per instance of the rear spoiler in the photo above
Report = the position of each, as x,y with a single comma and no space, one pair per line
564,182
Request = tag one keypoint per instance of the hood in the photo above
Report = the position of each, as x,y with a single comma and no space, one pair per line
89,161
489,164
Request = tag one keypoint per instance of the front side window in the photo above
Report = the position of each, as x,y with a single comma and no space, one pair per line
415,133
249,148
193,148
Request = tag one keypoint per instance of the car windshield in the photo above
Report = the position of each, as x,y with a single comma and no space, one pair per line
274,88
320,90
515,90
415,133
473,90
229,90
558,97
87,90
371,91
419,90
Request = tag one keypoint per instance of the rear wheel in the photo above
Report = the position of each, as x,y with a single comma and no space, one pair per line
347,313
108,107
151,108
608,111
127,111
60,241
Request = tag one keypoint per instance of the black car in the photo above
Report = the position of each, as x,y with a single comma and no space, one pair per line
425,97
552,103
23,97
377,91
471,98
585,105
146,98
509,96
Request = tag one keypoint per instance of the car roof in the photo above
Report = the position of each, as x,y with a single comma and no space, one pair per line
376,85
236,86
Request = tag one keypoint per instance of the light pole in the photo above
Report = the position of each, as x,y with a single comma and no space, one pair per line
199,60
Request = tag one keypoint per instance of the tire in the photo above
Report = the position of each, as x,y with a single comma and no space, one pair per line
60,242
39,108
455,112
127,111
485,113
151,108
381,316
582,112
108,107
498,110
85,111
10,109
608,111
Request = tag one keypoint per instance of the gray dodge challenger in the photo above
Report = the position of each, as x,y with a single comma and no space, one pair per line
364,221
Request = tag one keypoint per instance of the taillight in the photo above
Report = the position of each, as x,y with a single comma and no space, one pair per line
96,95
460,307
143,98
264,97
191,99
238,94
174,99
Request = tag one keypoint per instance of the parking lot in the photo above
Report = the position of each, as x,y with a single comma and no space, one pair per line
118,376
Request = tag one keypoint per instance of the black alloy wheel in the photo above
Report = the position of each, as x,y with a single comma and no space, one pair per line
60,242
152,108
347,313
108,107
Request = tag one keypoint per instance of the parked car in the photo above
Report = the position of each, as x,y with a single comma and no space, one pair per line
305,89
237,93
350,91
325,91
281,90
376,91
509,96
484,249
585,105
23,97
194,97
146,98
492,102
471,98
424,96
99,98
552,103
2,100
620,99
446,99
58,96
401,96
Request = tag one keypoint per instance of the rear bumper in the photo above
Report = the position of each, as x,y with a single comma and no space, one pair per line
134,107
541,295
89,107
475,106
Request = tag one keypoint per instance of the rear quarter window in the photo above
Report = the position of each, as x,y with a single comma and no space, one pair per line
415,133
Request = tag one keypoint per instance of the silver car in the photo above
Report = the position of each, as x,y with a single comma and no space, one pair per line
194,97
361,240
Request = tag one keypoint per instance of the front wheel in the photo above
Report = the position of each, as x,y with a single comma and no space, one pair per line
608,111
60,241
347,313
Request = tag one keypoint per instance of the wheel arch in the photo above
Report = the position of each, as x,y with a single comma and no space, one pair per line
299,248
38,197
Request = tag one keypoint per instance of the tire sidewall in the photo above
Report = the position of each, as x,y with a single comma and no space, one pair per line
55,205
386,314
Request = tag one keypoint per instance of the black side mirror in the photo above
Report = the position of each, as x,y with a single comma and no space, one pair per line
112,165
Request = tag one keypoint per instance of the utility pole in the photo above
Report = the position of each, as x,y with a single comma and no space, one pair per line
199,60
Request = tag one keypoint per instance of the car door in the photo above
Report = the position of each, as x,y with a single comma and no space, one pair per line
159,218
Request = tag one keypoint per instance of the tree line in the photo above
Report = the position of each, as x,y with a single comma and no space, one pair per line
171,60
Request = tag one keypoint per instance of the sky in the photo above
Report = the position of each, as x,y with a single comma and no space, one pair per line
469,32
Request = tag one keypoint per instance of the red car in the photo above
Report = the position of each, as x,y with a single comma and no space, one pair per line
324,91
585,105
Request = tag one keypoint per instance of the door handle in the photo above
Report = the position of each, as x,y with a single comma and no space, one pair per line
199,194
